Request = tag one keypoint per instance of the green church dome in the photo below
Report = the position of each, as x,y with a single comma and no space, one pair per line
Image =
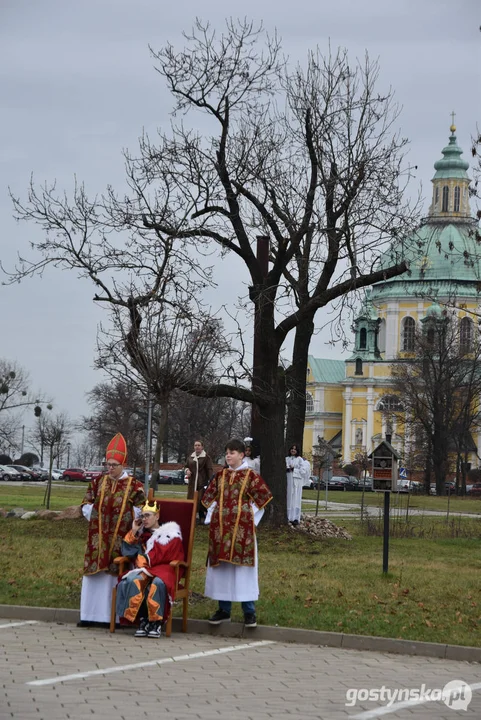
444,260
443,254
434,310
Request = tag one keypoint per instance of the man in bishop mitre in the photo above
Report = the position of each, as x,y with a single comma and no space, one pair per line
110,506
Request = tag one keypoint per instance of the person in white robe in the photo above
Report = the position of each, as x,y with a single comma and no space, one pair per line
297,473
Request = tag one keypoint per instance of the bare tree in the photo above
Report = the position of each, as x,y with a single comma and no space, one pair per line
15,398
288,155
117,406
52,433
364,465
440,387
167,350
214,420
84,454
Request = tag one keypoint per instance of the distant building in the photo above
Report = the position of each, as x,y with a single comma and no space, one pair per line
348,401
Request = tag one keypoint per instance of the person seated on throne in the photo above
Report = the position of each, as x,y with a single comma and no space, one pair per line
145,594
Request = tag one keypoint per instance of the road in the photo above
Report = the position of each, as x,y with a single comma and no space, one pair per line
61,672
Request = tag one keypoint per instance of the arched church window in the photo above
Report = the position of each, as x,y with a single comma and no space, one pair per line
457,198
430,335
465,335
363,339
390,404
445,199
436,195
309,402
358,367
408,331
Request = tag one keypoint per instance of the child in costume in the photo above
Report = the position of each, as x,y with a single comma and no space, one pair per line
145,593
235,498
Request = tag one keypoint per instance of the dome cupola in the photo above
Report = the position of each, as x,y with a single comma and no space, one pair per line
450,184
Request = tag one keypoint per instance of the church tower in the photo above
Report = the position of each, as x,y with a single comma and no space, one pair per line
450,184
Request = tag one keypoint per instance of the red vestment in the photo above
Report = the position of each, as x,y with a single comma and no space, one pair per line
232,530
111,518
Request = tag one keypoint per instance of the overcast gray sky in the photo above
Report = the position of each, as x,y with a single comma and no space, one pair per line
78,85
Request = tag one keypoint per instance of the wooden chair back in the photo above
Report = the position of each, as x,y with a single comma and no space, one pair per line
183,512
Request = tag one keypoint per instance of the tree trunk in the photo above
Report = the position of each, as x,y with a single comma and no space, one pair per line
427,472
160,442
49,481
296,384
268,385
165,444
273,466
440,460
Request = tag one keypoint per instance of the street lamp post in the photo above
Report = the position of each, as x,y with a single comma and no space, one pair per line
68,454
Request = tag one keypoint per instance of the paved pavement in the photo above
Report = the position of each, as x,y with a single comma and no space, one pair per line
338,509
52,671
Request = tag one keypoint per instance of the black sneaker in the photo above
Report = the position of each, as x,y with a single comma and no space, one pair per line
142,629
154,630
219,617
250,621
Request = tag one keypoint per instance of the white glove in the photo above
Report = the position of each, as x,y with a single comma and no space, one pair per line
87,510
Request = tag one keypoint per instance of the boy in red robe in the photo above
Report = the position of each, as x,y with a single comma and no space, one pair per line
235,498
146,592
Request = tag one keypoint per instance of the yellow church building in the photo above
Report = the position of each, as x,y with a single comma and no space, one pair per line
349,400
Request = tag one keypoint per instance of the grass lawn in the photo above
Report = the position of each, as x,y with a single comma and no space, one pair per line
431,593
30,497
400,500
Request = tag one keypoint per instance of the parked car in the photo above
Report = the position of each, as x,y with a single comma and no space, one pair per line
9,473
41,471
449,486
171,477
94,473
362,484
139,474
73,474
475,490
56,472
337,482
28,474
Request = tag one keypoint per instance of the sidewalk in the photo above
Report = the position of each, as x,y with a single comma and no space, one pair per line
52,670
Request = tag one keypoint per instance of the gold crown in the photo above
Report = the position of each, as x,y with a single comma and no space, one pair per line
148,508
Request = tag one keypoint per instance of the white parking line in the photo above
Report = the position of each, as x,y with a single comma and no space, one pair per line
389,709
17,624
150,663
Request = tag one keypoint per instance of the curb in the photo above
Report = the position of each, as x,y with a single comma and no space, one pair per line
277,634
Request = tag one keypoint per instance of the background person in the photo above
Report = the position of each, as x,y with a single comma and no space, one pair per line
109,505
250,458
199,471
297,471
144,593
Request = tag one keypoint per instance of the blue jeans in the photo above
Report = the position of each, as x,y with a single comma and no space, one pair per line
248,607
